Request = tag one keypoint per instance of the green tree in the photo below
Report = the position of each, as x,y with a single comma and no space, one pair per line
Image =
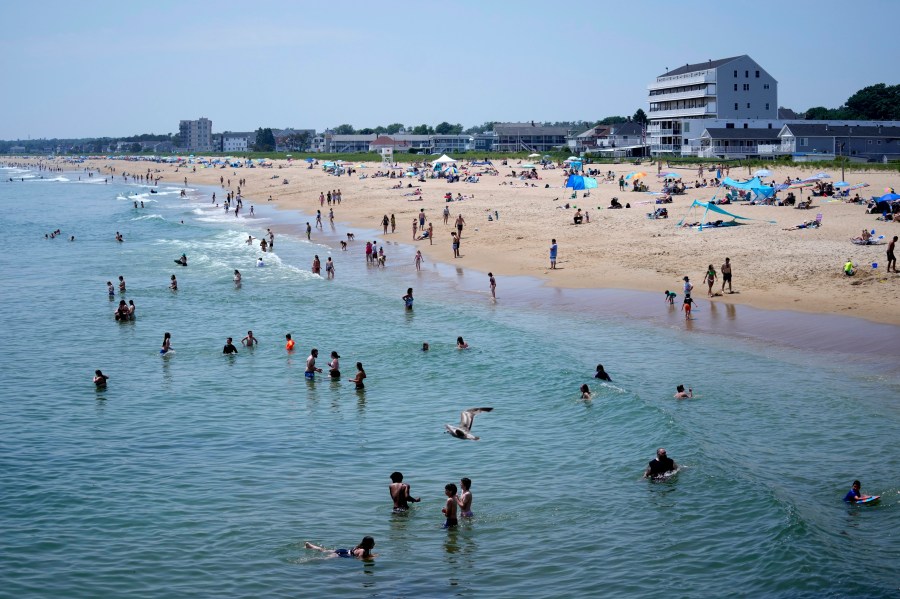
380,130
136,147
640,117
443,128
612,120
422,129
877,102
265,140
394,128
344,129
366,131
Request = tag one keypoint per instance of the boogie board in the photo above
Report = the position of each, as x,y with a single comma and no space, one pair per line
867,500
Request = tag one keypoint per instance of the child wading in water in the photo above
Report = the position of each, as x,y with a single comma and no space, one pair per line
686,306
361,551
449,509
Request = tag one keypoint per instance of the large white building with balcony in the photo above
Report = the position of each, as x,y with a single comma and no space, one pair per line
728,88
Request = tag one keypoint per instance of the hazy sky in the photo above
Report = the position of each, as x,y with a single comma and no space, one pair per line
79,69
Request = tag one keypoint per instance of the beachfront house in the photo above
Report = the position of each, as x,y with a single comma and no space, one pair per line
728,88
231,141
195,135
529,137
484,142
333,143
589,140
823,141
402,142
455,144
730,143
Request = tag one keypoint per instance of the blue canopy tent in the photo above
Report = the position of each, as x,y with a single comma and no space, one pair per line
754,185
578,182
707,206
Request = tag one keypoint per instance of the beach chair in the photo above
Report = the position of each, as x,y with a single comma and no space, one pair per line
818,220
804,205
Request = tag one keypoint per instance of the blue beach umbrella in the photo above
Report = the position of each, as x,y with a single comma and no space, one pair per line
577,182
310,159
842,184
763,172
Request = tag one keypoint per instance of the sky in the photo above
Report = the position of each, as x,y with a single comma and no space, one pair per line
97,68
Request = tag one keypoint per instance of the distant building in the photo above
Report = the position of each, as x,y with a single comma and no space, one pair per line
484,142
195,135
287,140
869,142
728,88
236,141
445,144
528,137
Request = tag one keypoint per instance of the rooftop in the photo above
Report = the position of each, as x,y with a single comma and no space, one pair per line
825,130
700,66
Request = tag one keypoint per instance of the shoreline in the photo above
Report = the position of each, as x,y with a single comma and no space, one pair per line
796,271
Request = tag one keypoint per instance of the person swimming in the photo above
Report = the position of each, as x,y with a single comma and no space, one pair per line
100,379
585,392
166,344
601,374
361,551
334,367
182,261
461,344
360,376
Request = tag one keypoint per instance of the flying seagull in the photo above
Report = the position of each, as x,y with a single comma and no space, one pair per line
466,419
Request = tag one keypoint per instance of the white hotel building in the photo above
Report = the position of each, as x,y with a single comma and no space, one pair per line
687,100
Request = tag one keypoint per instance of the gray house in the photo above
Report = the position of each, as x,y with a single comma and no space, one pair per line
718,142
871,143
528,137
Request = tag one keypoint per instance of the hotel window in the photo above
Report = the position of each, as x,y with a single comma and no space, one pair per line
735,87
746,87
735,105
765,86
735,74
748,104
879,142
803,141
767,107
757,74
746,74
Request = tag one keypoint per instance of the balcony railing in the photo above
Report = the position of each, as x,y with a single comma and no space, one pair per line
685,79
697,93
682,112
659,131
659,148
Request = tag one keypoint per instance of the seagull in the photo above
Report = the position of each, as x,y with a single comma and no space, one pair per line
466,419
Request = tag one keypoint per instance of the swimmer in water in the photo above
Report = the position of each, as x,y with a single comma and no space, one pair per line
290,343
100,379
174,284
121,284
360,376
237,277
680,393
249,340
460,344
400,493
361,551
166,344
259,262
311,363
408,299
329,268
852,496
182,261
229,347
449,509
110,289
601,374
425,347
661,465
465,498
121,312
334,367
585,392
131,309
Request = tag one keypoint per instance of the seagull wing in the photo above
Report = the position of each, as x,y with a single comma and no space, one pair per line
467,417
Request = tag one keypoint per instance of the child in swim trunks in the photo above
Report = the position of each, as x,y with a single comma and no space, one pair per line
449,509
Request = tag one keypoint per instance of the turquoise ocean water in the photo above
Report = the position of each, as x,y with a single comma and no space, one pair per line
202,475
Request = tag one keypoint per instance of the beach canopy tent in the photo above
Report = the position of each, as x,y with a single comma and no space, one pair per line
444,160
754,185
577,182
763,172
534,155
709,206
889,197
576,164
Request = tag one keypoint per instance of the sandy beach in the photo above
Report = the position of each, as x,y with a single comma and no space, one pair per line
773,268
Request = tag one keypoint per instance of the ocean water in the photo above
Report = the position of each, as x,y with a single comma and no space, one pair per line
199,474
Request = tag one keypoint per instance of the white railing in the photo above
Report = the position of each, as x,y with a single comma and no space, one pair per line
682,112
775,148
685,79
657,130
697,93
662,148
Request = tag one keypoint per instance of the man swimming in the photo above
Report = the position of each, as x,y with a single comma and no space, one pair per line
660,465
249,340
400,493
229,347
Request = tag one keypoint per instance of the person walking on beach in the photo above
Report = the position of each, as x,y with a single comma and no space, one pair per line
493,285
891,257
415,228
308,231
687,286
400,493
329,268
318,219
393,223
446,214
553,251
726,275
460,221
710,279
686,306
385,221
454,243
430,234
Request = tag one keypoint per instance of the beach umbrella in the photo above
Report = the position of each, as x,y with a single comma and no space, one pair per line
763,172
842,184
310,159
639,175
669,176
629,176
534,155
